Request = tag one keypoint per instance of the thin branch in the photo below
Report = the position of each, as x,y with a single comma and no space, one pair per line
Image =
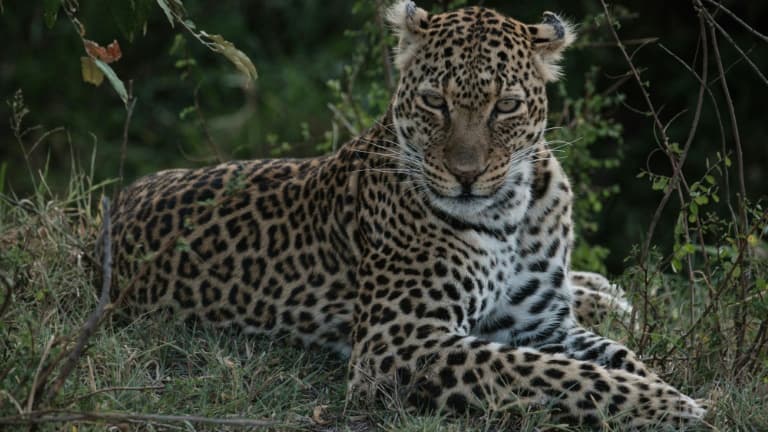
36,379
738,20
734,129
386,59
204,126
743,249
8,293
728,37
124,145
626,42
95,318
343,119
62,416
658,126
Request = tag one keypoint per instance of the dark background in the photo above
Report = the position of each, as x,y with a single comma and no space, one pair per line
298,46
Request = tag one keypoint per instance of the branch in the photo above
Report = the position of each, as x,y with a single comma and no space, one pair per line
61,416
728,37
738,20
95,318
734,128
385,57
8,293
124,145
658,126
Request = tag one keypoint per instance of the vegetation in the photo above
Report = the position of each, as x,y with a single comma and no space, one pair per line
658,128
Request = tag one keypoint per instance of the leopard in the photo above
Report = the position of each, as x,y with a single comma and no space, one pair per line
432,251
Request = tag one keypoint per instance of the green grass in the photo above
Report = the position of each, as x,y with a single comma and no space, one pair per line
155,365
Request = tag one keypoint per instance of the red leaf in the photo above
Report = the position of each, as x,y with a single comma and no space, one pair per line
111,53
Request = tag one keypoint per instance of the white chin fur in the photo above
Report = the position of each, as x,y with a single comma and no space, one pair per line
462,209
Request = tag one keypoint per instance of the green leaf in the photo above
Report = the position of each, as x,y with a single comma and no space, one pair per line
659,183
117,84
186,112
701,200
51,11
167,9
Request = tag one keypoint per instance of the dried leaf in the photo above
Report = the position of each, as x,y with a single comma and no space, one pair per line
114,51
318,415
90,72
110,54
234,55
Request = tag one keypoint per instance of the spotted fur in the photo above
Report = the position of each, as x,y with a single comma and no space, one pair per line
433,250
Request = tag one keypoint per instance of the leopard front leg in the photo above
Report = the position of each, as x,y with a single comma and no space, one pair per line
579,343
538,309
412,344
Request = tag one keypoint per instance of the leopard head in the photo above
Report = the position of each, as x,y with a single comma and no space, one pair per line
470,105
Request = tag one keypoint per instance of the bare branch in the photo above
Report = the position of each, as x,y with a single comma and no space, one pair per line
8,293
728,37
386,59
738,20
62,416
95,318
124,145
204,127
734,128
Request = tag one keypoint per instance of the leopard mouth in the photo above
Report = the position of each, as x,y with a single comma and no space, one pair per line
465,196
465,203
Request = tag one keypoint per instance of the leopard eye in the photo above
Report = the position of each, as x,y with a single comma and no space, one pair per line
508,105
433,100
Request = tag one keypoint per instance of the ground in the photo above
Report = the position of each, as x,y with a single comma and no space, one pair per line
153,365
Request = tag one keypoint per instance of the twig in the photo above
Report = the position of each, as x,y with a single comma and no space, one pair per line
728,37
204,126
743,225
658,125
720,289
61,416
124,145
626,42
13,401
738,20
386,60
36,379
8,293
734,128
94,319
343,119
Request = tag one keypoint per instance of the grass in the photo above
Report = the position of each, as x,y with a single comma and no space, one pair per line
154,365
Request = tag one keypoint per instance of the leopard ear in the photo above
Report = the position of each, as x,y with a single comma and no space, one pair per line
410,24
550,39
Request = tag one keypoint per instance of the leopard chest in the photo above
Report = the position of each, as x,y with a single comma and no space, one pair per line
518,302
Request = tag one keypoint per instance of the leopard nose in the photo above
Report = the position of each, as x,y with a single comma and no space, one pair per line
466,175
